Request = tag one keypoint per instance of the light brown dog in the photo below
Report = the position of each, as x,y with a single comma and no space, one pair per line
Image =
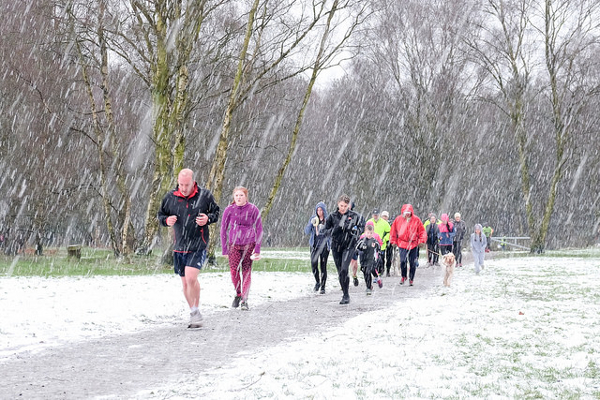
449,262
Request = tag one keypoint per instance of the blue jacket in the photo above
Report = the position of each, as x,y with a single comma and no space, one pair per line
446,234
309,229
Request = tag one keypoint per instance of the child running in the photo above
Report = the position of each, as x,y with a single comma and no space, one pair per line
368,247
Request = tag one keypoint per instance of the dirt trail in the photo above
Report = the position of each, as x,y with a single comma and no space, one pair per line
123,365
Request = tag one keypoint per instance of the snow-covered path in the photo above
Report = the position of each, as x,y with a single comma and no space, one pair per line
518,329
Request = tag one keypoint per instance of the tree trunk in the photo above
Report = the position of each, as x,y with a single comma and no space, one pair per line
101,157
163,176
124,211
316,68
217,171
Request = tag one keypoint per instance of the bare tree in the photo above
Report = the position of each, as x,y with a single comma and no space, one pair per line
326,52
418,47
508,51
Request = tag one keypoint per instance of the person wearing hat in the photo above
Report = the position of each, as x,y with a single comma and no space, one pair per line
382,228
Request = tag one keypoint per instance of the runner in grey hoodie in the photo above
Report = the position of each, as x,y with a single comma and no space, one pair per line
478,245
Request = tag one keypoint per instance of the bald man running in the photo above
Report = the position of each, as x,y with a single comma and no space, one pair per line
189,209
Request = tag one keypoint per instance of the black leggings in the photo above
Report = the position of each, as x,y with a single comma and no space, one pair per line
381,262
342,258
457,250
389,253
370,271
445,249
432,253
319,254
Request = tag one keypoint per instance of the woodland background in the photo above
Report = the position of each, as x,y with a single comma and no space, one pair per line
488,108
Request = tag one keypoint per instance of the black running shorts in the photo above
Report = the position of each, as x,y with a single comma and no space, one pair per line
194,259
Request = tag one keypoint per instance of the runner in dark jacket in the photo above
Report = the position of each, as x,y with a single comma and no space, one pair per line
189,210
460,228
189,236
320,245
431,227
344,226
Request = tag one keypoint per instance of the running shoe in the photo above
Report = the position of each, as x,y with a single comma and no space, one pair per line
195,319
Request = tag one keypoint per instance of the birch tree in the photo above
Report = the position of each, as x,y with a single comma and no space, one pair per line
513,33
571,33
327,50
418,46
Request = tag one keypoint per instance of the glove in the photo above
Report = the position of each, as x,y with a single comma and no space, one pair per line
315,221
347,224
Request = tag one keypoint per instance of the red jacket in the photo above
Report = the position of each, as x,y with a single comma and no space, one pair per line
407,234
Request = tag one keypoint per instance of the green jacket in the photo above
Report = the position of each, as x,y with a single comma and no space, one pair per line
382,228
428,222
487,231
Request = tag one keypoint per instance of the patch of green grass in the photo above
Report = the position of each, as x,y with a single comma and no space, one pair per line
530,393
590,252
92,262
592,371
480,390
102,262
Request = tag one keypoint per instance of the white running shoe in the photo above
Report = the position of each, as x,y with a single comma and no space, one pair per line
195,319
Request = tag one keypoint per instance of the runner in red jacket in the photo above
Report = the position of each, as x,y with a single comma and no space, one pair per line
407,233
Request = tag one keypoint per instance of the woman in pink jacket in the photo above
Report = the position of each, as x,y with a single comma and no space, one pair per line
446,235
241,236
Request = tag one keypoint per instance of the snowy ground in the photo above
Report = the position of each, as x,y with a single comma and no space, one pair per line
40,312
524,328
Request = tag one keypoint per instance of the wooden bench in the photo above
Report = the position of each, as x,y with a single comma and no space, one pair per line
74,250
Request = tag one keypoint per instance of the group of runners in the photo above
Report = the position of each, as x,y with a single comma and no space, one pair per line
190,209
348,237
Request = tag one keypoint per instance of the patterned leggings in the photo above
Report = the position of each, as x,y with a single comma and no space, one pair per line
240,265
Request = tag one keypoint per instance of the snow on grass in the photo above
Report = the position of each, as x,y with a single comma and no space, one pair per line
524,328
38,312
